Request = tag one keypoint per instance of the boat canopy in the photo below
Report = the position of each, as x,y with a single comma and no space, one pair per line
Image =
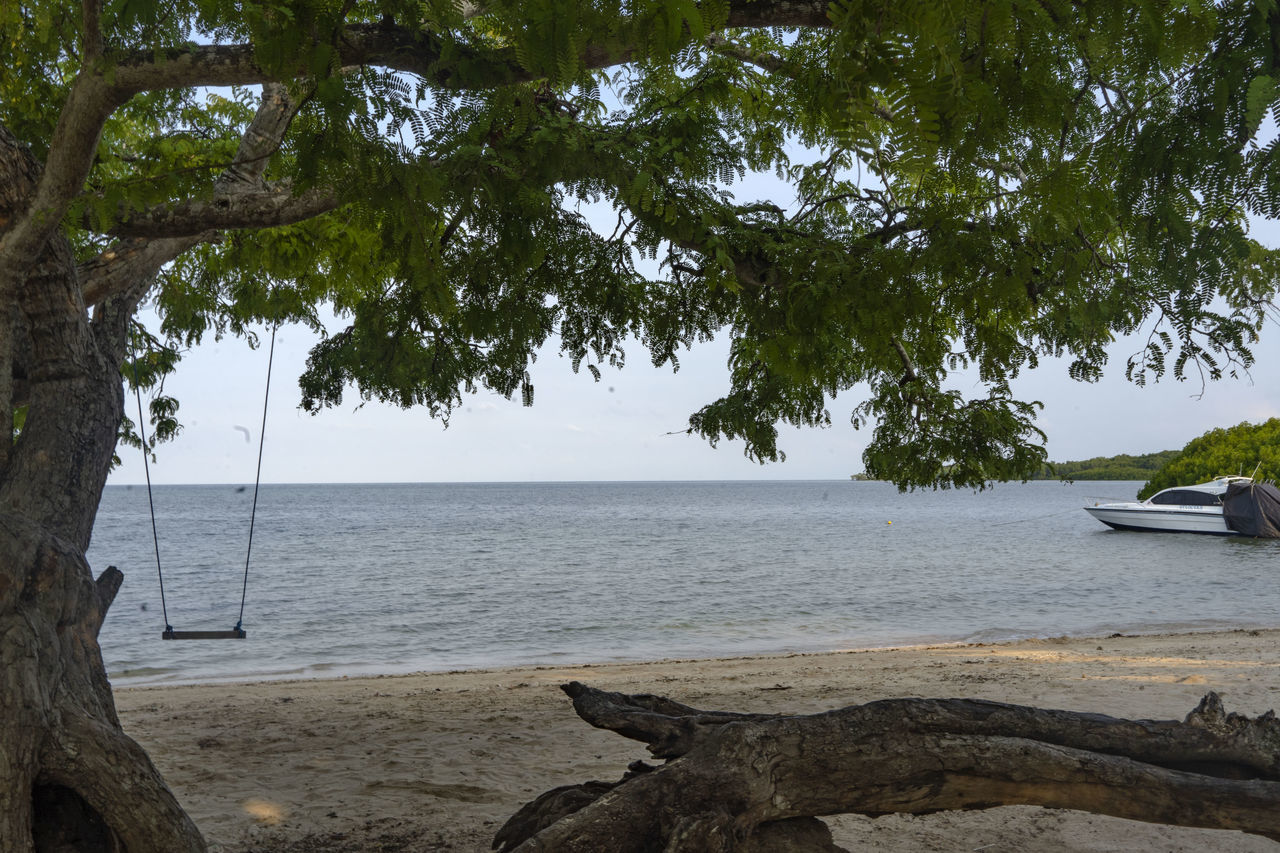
1186,497
1253,509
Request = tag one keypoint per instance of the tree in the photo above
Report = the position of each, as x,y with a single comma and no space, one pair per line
1121,467
753,782
1248,449
976,185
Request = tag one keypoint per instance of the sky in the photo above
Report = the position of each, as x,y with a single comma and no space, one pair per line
628,426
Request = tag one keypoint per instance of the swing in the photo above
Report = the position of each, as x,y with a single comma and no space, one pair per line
238,632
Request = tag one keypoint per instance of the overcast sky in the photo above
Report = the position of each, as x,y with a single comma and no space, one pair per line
617,429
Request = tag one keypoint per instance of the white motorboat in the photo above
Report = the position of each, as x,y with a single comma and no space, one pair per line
1182,509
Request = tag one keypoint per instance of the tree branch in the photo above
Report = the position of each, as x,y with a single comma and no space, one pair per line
116,269
908,365
670,728
745,771
94,96
261,139
106,586
419,52
91,17
264,209
138,258
764,61
75,139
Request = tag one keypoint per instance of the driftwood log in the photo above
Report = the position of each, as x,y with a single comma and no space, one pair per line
755,782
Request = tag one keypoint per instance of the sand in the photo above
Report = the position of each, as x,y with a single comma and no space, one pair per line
438,761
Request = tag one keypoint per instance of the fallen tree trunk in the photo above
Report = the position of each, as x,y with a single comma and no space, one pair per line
754,782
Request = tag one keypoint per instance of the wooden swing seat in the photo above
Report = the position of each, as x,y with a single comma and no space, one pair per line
233,634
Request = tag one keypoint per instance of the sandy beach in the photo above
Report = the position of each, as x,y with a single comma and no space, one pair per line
438,761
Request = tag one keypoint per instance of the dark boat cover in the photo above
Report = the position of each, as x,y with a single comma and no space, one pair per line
1253,509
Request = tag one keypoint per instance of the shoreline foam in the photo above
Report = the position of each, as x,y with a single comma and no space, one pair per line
123,679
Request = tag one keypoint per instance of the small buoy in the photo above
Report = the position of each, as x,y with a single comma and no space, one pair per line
888,522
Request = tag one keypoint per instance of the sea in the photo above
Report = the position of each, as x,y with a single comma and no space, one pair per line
395,578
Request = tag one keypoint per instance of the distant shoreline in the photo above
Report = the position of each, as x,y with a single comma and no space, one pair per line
1123,467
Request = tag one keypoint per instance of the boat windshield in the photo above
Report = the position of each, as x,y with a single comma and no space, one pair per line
1186,497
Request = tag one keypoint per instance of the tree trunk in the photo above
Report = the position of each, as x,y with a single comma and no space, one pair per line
744,781
69,777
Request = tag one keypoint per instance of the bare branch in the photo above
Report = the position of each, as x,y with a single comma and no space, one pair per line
106,586
261,139
737,772
139,258
127,262
911,374
91,12
765,61
163,234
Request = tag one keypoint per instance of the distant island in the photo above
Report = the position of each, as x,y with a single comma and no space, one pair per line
1122,467
1251,449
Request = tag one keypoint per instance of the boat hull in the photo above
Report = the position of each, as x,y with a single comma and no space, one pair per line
1208,520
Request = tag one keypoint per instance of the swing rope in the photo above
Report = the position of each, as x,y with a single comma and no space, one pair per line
238,631
146,467
257,479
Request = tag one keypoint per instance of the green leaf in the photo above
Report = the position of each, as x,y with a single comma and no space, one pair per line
1262,94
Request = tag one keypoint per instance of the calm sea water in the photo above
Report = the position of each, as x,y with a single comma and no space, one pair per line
348,579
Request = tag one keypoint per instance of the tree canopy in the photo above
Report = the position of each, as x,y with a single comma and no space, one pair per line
971,185
1248,449
1124,466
